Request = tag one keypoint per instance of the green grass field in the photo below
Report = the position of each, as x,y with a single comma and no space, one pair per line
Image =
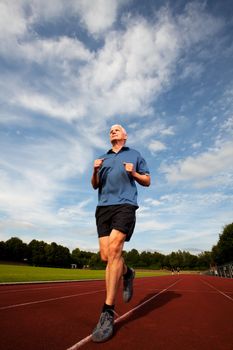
16,273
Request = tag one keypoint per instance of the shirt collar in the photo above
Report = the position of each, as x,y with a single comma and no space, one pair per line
124,148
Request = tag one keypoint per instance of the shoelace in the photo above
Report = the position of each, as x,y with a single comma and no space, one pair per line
106,316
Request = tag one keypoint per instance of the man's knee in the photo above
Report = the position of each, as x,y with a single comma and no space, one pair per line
104,256
115,250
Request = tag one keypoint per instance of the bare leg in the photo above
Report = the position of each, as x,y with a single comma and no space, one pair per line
111,250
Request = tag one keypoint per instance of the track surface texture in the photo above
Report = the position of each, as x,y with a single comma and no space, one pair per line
191,312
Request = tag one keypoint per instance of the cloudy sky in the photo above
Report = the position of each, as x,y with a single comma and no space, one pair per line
71,69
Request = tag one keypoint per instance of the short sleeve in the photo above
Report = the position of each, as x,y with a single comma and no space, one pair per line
142,167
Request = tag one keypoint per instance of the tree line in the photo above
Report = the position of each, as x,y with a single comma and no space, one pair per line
40,253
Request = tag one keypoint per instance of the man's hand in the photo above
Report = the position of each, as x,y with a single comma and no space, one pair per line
142,179
129,167
97,164
95,177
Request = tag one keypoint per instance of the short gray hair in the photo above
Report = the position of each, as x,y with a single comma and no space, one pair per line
123,129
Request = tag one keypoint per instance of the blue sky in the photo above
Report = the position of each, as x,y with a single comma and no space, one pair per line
71,69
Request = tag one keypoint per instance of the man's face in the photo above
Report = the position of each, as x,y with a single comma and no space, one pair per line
117,134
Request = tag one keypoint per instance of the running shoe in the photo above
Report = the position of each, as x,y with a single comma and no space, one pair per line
104,329
128,287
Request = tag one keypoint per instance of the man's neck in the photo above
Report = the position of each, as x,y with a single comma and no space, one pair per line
117,146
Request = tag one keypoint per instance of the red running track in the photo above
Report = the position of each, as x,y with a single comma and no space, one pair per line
190,312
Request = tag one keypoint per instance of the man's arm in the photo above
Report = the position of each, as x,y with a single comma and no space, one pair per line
95,177
142,179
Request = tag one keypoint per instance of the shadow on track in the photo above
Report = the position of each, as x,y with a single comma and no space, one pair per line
153,304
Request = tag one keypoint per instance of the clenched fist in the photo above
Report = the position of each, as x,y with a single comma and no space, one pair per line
97,164
129,167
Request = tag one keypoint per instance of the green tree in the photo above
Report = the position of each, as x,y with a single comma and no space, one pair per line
174,260
2,250
81,258
15,249
96,263
204,260
36,253
157,260
64,256
57,255
222,253
215,255
132,258
146,259
77,258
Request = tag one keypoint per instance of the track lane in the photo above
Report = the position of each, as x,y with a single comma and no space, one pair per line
189,315
37,293
123,317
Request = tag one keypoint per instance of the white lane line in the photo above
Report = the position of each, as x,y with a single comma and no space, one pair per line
127,314
47,300
183,290
219,291
80,343
145,302
75,285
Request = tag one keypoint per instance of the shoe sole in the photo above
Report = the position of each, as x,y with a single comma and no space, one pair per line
101,340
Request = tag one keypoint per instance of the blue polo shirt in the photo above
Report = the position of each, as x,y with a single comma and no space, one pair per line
116,185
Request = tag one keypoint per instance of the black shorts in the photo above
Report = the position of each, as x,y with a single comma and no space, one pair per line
119,217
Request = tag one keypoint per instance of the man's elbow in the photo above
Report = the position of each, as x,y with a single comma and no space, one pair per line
147,183
95,186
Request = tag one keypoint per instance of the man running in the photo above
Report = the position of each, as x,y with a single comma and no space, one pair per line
114,175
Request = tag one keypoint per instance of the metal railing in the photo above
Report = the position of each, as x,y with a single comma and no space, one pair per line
225,270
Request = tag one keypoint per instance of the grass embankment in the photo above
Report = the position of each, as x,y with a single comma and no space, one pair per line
16,273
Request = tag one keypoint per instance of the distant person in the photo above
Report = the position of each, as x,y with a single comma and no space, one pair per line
114,175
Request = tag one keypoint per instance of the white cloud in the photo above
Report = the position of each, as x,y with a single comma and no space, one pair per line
99,15
77,212
96,17
167,131
183,219
192,70
156,146
227,125
206,164
55,51
121,78
222,180
153,202
13,22
43,11
196,24
152,225
49,106
147,135
35,175
196,144
60,93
